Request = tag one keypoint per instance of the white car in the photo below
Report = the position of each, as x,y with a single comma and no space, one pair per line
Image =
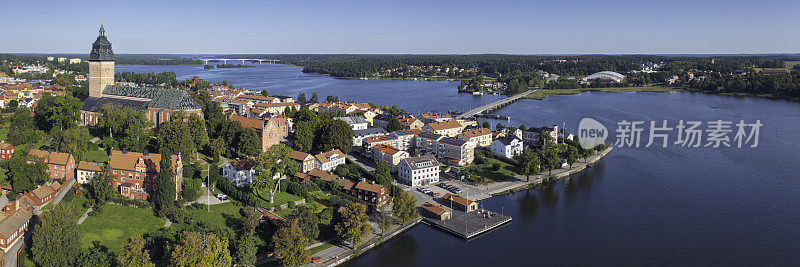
222,196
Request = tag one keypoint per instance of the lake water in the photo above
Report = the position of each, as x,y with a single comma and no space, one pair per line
637,206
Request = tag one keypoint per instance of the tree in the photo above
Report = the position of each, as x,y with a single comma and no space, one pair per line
550,159
134,253
190,190
487,125
124,127
57,240
74,141
384,221
498,126
97,256
404,207
25,176
22,129
165,197
308,221
393,125
334,134
572,155
271,165
314,98
197,130
301,98
528,163
245,253
290,245
331,98
201,249
60,112
248,142
100,186
383,174
304,135
353,225
175,136
264,93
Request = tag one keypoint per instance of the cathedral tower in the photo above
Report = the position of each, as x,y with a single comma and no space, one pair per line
101,65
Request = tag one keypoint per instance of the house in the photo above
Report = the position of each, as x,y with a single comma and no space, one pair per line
455,152
434,211
14,221
388,154
420,170
359,135
427,142
268,216
135,175
409,122
355,122
370,192
277,108
508,146
327,161
323,175
239,172
259,98
449,128
43,194
86,170
6,150
459,202
482,137
381,120
531,135
405,139
271,131
772,71
258,113
59,165
305,160
386,139
434,117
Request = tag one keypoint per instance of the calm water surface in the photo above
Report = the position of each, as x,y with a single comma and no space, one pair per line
645,206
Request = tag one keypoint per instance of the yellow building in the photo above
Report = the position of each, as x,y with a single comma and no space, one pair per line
87,170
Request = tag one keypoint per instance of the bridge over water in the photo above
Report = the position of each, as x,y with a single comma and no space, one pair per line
494,105
243,60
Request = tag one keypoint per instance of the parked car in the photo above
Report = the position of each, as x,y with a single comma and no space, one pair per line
316,259
222,196
457,191
444,185
435,194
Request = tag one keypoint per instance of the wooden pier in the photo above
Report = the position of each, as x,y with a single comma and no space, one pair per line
469,224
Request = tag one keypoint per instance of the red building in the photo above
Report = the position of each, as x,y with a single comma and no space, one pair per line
369,192
59,165
136,174
14,221
6,150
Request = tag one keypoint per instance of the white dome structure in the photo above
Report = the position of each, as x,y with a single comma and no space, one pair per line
605,75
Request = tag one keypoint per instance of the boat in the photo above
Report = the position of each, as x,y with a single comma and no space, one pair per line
477,93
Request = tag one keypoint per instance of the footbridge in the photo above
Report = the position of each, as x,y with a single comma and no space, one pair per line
494,106
243,60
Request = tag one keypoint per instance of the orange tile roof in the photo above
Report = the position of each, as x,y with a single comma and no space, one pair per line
128,160
255,124
458,199
90,166
297,155
272,105
344,183
477,132
323,157
59,158
386,149
438,126
5,145
257,97
323,175
370,187
433,208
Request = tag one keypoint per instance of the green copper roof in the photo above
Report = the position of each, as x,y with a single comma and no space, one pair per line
101,48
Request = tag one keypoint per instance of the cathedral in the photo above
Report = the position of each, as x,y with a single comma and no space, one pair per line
157,103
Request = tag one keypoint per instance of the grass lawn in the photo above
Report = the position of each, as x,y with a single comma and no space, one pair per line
279,199
319,248
96,156
4,132
116,224
486,170
542,93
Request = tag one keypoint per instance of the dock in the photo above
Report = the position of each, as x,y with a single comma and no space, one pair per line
469,224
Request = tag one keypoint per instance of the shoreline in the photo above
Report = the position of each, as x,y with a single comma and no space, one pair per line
508,189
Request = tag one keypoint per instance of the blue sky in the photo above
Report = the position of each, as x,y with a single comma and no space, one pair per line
430,27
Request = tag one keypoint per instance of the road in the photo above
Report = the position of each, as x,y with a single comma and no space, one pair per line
10,257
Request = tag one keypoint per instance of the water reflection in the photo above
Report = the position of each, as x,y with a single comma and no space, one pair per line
528,205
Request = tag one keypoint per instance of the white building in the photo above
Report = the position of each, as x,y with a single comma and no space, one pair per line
74,60
240,172
329,160
508,146
417,171
355,122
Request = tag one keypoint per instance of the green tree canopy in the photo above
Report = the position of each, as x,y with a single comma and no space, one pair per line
201,249
334,134
353,226
290,245
57,240
134,253
60,112
271,166
404,207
